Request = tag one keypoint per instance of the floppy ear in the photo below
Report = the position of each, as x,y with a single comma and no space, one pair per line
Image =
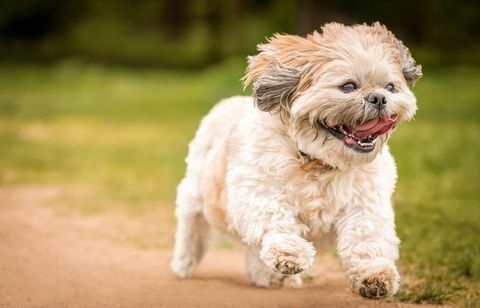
276,72
275,89
411,70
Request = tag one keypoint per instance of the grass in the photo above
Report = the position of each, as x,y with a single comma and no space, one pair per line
124,133
437,197
119,130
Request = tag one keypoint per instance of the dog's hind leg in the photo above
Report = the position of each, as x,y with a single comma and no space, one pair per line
191,238
205,168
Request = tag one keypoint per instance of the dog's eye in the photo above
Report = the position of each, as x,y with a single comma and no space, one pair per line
348,87
390,87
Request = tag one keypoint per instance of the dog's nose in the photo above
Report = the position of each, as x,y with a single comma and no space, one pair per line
377,99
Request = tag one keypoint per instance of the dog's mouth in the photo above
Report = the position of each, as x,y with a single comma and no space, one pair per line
362,138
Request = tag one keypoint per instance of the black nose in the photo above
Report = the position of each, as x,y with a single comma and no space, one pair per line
377,99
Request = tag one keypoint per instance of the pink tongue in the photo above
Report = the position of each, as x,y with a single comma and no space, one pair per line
367,125
377,125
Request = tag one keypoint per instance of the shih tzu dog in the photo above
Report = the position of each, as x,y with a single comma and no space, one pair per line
305,155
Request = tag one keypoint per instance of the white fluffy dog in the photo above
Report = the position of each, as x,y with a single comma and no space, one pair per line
305,155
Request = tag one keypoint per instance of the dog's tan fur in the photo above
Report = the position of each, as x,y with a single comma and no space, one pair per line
245,174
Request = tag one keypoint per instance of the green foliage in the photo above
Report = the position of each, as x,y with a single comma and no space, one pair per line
191,34
196,33
124,133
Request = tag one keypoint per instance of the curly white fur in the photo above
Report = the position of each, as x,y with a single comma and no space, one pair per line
244,177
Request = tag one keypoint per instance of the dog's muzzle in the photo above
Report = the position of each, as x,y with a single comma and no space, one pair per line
361,138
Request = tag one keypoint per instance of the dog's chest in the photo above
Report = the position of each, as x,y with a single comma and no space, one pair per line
320,196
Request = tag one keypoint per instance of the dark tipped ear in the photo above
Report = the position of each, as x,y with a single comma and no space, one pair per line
411,70
275,89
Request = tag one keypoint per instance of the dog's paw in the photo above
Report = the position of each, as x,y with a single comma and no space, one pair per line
273,280
378,285
183,266
292,281
287,253
288,265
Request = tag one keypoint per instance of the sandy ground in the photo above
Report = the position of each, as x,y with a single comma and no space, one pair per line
49,258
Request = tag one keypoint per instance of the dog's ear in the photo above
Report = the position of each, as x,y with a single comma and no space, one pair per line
411,70
275,89
277,71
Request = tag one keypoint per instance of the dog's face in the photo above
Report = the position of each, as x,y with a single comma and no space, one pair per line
341,92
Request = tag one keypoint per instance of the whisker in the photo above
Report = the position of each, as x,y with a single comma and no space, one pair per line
325,139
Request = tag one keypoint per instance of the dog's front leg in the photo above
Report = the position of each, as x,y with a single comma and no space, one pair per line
368,248
268,223
286,253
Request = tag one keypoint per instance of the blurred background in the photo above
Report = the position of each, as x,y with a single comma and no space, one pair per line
198,33
99,100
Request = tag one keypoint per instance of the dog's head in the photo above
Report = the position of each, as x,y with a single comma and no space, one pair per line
341,92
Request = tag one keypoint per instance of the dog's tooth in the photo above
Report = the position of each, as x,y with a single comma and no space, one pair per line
349,140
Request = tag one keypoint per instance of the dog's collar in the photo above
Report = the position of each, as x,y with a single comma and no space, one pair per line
311,163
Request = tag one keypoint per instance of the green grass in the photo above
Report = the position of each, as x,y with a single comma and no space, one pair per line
438,197
124,134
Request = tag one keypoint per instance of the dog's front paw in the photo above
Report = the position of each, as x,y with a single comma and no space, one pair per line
287,253
378,285
286,264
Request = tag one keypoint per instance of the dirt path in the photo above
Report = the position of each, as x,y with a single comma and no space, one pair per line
52,259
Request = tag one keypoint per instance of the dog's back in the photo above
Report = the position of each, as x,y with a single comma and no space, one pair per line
211,145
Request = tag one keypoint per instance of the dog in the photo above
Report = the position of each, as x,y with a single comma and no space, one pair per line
306,154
